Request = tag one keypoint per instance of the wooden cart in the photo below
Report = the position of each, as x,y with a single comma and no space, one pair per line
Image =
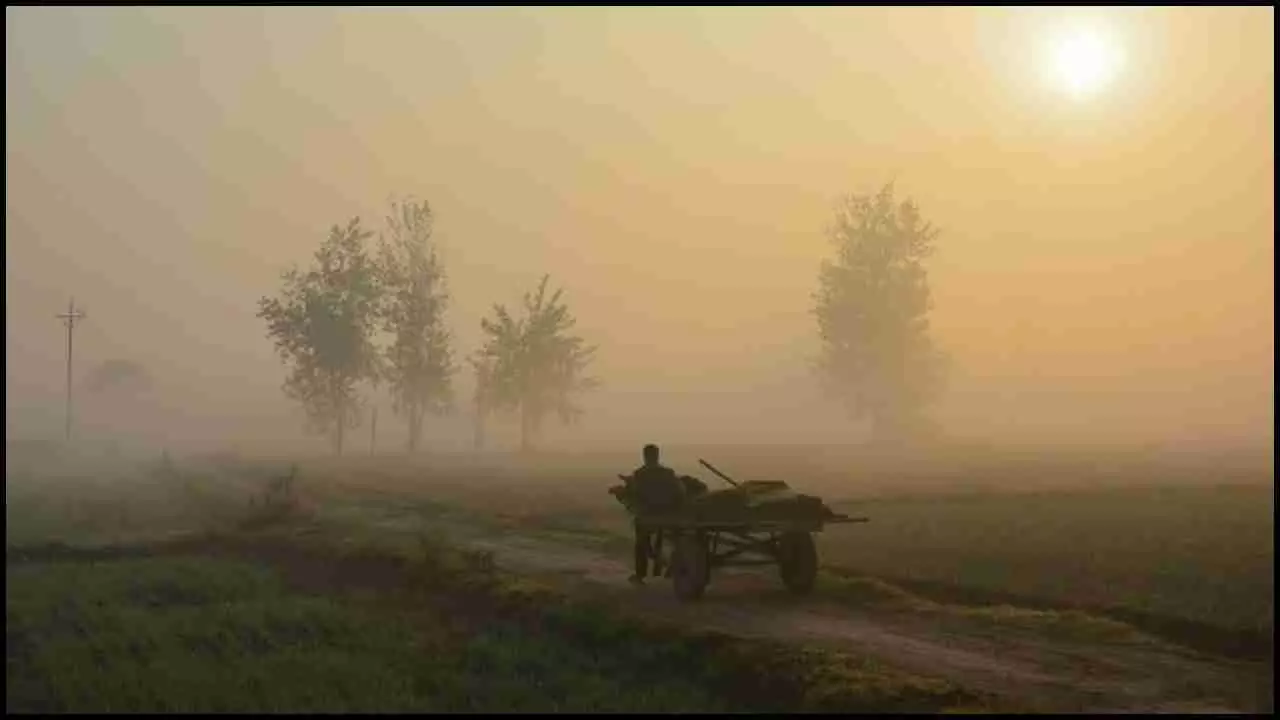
700,544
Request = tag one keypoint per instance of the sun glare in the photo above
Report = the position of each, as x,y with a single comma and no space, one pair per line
1084,61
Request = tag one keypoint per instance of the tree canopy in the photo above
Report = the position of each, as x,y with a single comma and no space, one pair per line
872,308
322,324
534,365
419,360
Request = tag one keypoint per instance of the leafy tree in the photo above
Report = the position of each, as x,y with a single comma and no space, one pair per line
419,361
534,365
872,309
322,324
113,376
121,393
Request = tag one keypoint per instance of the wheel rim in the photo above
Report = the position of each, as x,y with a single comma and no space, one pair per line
797,560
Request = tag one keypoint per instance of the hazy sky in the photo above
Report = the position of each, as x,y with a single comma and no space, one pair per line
1103,273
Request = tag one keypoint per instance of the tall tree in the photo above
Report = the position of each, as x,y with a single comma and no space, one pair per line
322,324
872,309
536,366
419,361
113,376
121,401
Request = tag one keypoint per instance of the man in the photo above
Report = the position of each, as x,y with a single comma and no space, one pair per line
656,490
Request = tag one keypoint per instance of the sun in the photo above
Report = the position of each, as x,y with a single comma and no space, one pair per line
1084,60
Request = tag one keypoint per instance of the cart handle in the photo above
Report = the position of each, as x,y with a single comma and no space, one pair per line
846,519
713,469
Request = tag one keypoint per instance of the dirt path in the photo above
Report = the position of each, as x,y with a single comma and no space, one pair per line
1030,669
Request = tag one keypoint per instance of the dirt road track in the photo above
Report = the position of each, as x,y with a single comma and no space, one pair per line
1025,668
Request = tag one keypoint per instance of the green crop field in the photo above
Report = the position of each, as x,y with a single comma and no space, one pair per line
1203,554
204,632
1182,545
1197,553
193,634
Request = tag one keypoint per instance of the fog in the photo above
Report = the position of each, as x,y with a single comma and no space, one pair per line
1104,273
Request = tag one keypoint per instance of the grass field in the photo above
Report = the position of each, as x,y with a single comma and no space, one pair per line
202,629
193,634
1187,551
1204,554
1172,544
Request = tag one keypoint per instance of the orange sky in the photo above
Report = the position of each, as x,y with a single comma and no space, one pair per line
1104,270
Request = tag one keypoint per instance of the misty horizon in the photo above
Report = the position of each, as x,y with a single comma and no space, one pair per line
1103,273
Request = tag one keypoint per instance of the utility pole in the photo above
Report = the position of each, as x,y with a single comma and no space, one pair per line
70,317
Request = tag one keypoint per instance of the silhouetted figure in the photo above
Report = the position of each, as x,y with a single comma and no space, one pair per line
656,489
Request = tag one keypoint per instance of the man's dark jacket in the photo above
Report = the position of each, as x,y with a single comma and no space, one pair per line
656,489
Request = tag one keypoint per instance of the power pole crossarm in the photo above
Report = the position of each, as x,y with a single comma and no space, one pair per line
69,318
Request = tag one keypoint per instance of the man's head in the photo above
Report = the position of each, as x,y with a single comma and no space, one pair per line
650,454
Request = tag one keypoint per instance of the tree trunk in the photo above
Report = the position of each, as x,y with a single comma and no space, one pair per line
342,427
477,438
415,427
887,429
526,429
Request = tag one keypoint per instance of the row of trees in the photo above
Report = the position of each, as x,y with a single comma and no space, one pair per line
365,316
359,319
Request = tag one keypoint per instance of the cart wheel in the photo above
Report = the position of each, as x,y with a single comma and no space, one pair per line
690,569
798,562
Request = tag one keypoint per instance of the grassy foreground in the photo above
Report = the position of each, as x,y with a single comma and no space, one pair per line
273,621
